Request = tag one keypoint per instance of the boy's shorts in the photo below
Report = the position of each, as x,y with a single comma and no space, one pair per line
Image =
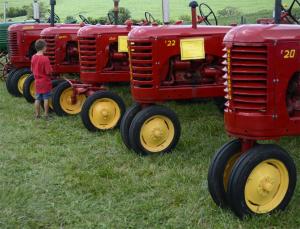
44,96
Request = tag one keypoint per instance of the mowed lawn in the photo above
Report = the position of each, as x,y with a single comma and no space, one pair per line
56,174
98,8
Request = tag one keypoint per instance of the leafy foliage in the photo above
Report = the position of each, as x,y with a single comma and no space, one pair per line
229,12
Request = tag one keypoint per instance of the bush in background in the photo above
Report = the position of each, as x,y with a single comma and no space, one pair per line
229,12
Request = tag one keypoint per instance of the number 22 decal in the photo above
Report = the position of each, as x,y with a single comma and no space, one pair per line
170,43
289,53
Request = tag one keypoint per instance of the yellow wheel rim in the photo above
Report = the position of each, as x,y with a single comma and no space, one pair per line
66,102
32,89
228,169
266,186
21,82
157,133
104,114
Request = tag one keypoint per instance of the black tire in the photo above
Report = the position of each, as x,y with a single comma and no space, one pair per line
220,103
126,122
29,82
224,159
243,168
16,91
87,106
56,100
7,82
145,115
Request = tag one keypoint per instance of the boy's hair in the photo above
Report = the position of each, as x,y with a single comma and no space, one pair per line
40,45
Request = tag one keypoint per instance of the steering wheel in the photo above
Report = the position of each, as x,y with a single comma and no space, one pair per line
206,16
111,18
287,13
56,17
149,18
84,19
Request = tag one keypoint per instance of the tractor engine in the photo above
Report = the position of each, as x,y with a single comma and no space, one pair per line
191,72
62,48
104,54
293,97
21,39
118,61
72,55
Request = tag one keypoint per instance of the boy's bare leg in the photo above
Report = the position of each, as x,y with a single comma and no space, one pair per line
37,106
46,107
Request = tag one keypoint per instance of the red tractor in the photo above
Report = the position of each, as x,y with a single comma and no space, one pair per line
21,40
263,103
103,60
62,50
171,63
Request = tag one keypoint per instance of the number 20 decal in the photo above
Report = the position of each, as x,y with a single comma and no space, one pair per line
170,43
289,53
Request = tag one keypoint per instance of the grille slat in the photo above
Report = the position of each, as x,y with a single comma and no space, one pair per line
50,40
248,76
141,63
13,43
88,52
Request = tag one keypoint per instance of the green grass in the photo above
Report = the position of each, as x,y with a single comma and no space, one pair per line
96,8
58,175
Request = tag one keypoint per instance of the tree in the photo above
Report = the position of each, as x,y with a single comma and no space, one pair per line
124,14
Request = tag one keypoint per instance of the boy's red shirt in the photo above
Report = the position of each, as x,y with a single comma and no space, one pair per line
41,69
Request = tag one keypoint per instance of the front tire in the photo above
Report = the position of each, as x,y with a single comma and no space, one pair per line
62,100
262,181
29,89
102,111
154,130
17,81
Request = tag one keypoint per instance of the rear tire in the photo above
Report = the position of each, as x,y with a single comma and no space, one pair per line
220,103
220,170
17,81
102,111
126,122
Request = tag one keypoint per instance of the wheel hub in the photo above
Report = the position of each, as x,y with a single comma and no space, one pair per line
67,102
157,133
266,186
105,114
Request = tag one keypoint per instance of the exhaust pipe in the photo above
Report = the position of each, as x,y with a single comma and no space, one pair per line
116,11
52,4
278,11
194,5
166,11
36,11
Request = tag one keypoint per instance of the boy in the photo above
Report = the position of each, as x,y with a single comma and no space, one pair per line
41,69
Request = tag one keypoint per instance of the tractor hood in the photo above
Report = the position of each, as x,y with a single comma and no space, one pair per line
33,26
176,30
61,30
262,33
103,29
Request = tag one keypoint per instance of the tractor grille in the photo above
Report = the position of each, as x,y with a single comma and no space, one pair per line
88,57
249,78
3,37
141,64
13,43
50,40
